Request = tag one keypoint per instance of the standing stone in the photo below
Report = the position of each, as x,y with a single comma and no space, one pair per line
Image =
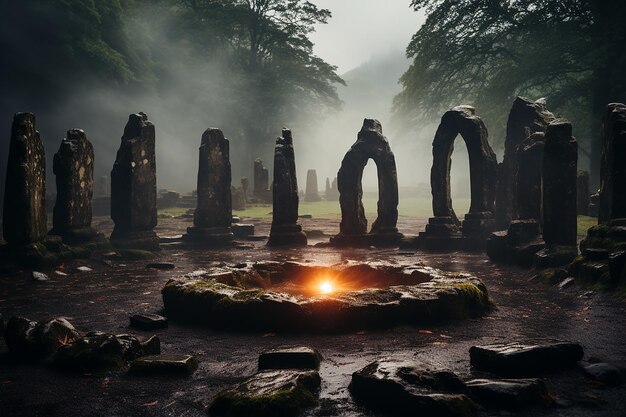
442,230
261,182
285,228
103,188
559,185
582,193
522,239
613,170
312,193
332,193
213,215
559,195
73,167
245,184
24,215
327,188
525,118
353,228
133,187
604,248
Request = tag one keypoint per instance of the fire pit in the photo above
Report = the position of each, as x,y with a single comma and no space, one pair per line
290,296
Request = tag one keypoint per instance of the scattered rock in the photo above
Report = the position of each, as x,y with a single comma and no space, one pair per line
39,276
97,350
605,373
161,266
409,388
84,269
508,393
526,358
32,340
301,357
269,393
243,229
148,321
566,283
305,216
164,365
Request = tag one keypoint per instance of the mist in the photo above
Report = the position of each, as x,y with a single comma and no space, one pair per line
367,44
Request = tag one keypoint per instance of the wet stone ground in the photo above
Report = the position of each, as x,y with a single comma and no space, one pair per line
104,298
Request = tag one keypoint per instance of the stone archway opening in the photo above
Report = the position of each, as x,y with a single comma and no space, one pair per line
460,182
370,144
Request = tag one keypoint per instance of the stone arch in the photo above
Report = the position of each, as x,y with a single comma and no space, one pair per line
462,121
370,144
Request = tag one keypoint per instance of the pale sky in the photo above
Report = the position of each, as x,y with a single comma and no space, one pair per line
360,29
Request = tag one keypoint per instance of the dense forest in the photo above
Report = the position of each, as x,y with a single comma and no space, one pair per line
248,67
245,66
486,52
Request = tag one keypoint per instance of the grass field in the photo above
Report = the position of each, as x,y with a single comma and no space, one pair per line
410,207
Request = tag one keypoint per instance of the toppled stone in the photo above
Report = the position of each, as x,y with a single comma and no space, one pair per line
97,350
370,144
301,357
605,373
409,388
521,359
148,321
243,230
566,283
269,393
39,276
164,365
161,265
508,393
32,340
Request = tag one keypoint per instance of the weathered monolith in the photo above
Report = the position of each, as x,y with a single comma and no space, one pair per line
133,187
73,166
525,118
24,214
519,243
213,215
559,195
582,193
332,192
285,230
442,231
261,182
603,250
353,228
312,192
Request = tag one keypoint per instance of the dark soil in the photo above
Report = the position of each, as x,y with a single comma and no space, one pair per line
104,298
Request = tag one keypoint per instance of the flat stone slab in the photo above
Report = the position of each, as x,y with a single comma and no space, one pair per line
148,321
410,388
161,266
508,393
269,393
164,365
300,357
605,373
526,358
242,229
235,298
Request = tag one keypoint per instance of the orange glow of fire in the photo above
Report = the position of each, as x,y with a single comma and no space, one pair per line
326,287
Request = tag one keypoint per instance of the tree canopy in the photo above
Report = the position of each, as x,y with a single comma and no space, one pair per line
486,52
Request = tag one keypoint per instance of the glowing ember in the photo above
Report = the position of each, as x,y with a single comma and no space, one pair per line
326,287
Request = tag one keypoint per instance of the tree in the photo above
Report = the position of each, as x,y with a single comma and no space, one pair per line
275,74
486,52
